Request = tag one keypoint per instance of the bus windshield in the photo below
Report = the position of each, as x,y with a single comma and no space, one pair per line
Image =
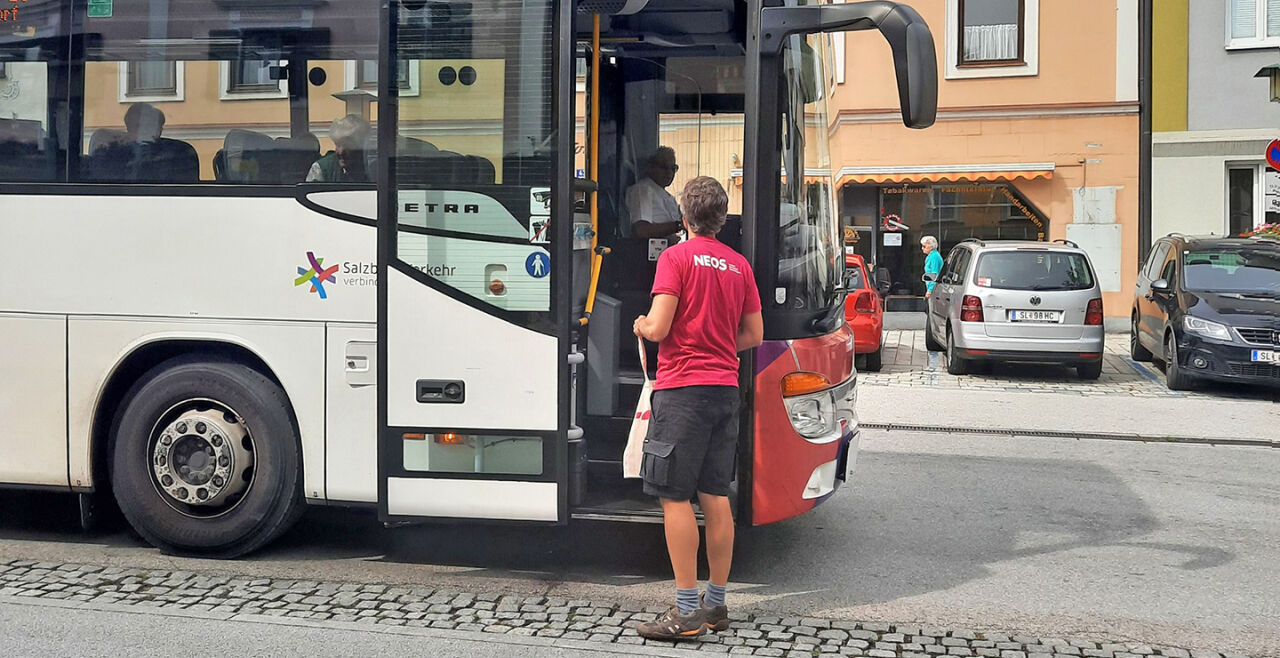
809,266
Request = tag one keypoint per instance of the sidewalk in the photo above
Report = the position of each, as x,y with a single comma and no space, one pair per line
119,606
1130,400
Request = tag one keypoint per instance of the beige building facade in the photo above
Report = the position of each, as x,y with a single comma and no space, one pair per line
1036,138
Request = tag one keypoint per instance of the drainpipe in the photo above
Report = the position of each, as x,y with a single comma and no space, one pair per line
1145,16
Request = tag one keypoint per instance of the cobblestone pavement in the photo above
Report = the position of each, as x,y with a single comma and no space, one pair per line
908,363
547,617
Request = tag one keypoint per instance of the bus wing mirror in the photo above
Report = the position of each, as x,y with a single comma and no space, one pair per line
914,60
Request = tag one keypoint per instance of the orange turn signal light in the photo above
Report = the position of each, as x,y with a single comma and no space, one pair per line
801,383
411,436
451,439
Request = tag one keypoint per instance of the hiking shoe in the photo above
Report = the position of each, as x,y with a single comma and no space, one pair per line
671,625
717,616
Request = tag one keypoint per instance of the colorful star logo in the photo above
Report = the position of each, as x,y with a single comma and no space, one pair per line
317,275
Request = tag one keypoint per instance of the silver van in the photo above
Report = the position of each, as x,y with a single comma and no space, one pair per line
1016,301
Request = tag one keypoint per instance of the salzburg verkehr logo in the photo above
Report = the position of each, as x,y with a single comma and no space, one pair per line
316,275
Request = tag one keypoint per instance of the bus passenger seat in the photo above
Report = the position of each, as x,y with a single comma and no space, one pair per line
295,157
27,154
483,169
245,156
168,161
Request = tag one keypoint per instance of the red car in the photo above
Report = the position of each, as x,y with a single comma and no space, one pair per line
864,311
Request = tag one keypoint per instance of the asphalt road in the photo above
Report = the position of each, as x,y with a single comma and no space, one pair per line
1171,544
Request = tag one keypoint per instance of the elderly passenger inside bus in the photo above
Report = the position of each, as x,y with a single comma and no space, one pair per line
346,162
143,123
653,211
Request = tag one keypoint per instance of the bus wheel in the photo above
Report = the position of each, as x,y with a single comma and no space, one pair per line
205,458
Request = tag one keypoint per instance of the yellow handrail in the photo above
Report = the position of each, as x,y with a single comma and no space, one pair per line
593,150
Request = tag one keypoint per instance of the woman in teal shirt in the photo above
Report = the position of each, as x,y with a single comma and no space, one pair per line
932,261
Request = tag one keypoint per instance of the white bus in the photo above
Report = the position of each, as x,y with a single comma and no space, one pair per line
216,313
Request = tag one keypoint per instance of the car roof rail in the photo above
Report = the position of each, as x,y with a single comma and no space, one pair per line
1068,243
977,241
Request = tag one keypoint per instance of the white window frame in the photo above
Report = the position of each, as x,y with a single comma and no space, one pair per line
1030,65
225,93
415,80
1259,38
180,80
1259,193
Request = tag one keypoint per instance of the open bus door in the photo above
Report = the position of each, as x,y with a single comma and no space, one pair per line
473,312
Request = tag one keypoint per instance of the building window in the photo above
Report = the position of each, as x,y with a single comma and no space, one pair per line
992,38
1253,197
151,78
363,74
367,74
151,81
990,32
251,77
1253,23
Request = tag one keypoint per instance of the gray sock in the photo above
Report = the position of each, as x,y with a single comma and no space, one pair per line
715,594
687,600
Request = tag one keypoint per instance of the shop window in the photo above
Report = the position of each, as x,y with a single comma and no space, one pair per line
1253,23
950,212
992,38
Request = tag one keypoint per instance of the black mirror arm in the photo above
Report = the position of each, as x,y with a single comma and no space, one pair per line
907,33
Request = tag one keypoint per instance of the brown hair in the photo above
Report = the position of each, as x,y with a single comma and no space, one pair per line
704,204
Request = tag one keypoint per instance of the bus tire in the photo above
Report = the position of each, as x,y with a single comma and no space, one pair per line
205,459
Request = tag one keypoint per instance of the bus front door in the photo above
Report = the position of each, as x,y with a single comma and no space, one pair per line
472,314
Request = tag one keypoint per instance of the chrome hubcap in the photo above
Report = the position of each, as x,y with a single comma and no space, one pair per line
203,457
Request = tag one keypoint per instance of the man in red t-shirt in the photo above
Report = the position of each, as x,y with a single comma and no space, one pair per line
705,310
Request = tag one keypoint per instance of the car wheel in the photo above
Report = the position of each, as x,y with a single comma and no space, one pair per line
1174,376
1089,370
204,458
930,343
873,360
955,364
1136,351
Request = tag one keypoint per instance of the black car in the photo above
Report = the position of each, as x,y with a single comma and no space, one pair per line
1209,308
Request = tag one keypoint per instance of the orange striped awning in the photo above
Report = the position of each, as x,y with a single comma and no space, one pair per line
944,174
811,176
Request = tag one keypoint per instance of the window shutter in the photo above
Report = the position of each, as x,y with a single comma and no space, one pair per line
1244,19
1273,18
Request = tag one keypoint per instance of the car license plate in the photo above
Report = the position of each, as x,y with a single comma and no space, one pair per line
1035,316
1266,356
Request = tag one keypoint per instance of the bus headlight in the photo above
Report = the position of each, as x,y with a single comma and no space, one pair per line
822,416
808,416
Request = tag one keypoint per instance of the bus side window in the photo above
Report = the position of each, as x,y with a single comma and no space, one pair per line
28,149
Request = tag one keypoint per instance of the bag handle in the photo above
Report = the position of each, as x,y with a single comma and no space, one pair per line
644,359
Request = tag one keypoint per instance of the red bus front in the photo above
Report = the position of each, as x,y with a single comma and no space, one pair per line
805,438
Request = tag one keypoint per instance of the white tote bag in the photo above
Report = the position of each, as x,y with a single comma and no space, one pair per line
634,454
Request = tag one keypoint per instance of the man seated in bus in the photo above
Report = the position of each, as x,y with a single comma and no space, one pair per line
346,163
653,211
143,123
